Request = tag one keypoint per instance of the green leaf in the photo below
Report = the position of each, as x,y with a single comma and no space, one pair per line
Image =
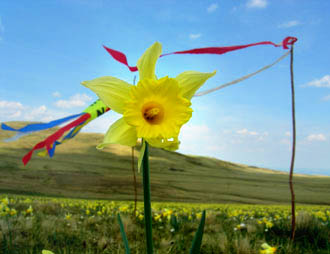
123,234
174,222
197,242
47,252
143,148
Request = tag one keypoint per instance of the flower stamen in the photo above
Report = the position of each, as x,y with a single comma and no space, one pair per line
153,112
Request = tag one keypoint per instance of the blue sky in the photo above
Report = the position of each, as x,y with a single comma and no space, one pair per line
48,47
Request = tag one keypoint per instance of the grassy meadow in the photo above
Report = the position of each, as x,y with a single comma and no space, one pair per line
29,225
69,203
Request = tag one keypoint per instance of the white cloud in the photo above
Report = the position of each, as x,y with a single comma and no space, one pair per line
212,8
242,132
250,135
76,100
9,105
35,113
16,114
10,109
316,137
198,140
56,94
247,132
194,36
16,111
322,82
289,24
326,98
190,132
256,4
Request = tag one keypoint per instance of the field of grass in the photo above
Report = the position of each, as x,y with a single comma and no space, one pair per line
79,170
29,225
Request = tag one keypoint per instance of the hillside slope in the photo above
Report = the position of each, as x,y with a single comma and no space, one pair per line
79,170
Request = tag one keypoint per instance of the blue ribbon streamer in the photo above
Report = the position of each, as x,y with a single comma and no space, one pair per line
70,135
40,126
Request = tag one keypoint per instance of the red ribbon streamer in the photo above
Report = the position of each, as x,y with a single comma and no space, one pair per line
121,57
49,141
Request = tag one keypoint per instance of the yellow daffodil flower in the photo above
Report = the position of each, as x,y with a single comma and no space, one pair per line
29,210
13,212
154,109
267,249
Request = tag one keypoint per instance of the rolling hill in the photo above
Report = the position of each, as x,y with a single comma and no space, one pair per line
79,170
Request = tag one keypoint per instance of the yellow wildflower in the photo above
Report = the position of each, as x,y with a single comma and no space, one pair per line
29,210
199,216
269,224
13,212
267,249
5,201
155,109
123,209
158,217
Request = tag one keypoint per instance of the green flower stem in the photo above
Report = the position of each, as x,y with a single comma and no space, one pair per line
123,235
147,202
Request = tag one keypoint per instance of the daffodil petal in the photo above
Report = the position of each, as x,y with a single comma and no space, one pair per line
265,246
112,91
191,81
147,62
120,133
170,145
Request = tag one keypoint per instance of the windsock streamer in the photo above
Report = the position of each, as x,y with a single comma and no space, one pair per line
121,57
93,111
30,128
67,137
49,141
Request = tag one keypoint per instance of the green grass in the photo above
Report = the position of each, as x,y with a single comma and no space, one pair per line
64,226
79,170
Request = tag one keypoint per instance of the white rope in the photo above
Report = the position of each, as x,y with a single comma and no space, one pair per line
242,78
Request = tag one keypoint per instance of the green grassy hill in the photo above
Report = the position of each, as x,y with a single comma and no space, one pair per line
79,170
